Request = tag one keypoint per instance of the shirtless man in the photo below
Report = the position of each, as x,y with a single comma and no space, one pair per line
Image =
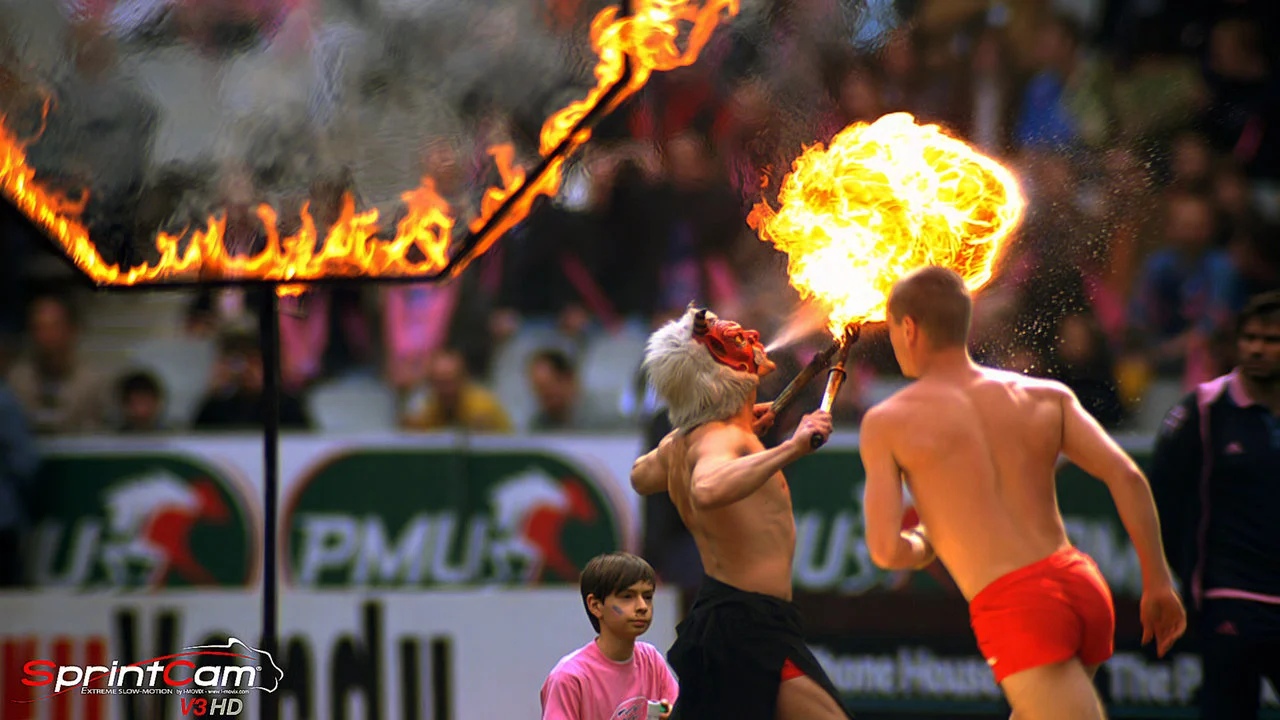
977,448
740,653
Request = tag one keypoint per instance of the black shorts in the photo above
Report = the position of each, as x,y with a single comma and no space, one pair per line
730,651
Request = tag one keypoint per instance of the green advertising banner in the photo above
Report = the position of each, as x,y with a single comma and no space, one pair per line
422,512
366,518
147,521
397,511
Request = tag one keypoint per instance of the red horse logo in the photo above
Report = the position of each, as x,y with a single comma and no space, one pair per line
531,510
150,520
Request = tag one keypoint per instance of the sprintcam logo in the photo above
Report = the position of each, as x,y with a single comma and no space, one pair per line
233,668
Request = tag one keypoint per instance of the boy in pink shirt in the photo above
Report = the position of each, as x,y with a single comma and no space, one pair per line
613,677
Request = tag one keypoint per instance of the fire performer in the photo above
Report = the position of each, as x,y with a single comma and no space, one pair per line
740,653
977,447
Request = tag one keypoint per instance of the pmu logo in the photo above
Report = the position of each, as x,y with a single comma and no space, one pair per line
228,669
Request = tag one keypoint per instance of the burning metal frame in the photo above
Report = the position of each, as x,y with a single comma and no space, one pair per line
477,240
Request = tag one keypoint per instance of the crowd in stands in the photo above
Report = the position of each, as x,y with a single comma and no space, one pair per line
1146,142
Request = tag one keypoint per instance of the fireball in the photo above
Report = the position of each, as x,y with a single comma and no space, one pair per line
882,200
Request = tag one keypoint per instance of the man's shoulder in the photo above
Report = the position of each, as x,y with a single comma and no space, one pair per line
717,435
1028,383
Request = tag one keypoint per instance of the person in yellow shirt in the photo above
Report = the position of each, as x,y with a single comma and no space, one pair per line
457,401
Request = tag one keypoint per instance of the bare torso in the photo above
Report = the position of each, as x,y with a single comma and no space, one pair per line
748,544
979,457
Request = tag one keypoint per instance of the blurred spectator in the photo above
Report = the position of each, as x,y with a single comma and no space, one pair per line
1245,108
561,403
701,221
1130,227
18,464
326,331
1213,474
987,94
234,400
1083,363
1190,161
1232,192
60,392
1185,290
141,403
547,277
1065,105
456,401
416,325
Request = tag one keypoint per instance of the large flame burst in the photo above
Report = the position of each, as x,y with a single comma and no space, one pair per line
882,200
650,37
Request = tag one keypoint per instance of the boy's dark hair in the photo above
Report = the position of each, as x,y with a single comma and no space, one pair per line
611,573
1263,306
557,360
139,381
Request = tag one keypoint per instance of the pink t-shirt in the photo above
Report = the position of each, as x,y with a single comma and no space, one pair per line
586,685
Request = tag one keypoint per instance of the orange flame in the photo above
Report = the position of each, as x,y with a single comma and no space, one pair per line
885,199
649,37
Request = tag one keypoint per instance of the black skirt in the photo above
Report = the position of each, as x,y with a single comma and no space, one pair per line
729,653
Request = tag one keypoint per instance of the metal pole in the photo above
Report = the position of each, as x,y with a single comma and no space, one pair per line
270,341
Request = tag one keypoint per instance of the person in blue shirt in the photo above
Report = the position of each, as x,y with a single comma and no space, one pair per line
1186,290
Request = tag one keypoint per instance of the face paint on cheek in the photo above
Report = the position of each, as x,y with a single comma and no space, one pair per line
617,610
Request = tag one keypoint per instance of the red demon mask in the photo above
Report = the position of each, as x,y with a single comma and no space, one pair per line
729,344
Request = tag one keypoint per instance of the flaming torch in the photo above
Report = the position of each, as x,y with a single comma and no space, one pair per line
884,199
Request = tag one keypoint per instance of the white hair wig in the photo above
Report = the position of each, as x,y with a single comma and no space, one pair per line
696,388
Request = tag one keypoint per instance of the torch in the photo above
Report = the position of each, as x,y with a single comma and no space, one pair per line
836,376
837,351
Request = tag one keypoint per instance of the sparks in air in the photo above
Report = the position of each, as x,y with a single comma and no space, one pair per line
659,35
880,201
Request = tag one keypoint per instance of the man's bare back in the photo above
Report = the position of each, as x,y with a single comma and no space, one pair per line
978,452
977,447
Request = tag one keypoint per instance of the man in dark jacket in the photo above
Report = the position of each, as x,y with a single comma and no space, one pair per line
1216,478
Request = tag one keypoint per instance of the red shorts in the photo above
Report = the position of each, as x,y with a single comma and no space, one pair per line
790,671
1047,612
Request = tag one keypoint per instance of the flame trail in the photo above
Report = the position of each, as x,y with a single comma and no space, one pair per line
630,49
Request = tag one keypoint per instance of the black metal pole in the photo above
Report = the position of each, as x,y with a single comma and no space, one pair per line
269,309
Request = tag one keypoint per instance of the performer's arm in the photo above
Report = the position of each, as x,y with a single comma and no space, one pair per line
726,470
650,472
891,547
727,467
1088,445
